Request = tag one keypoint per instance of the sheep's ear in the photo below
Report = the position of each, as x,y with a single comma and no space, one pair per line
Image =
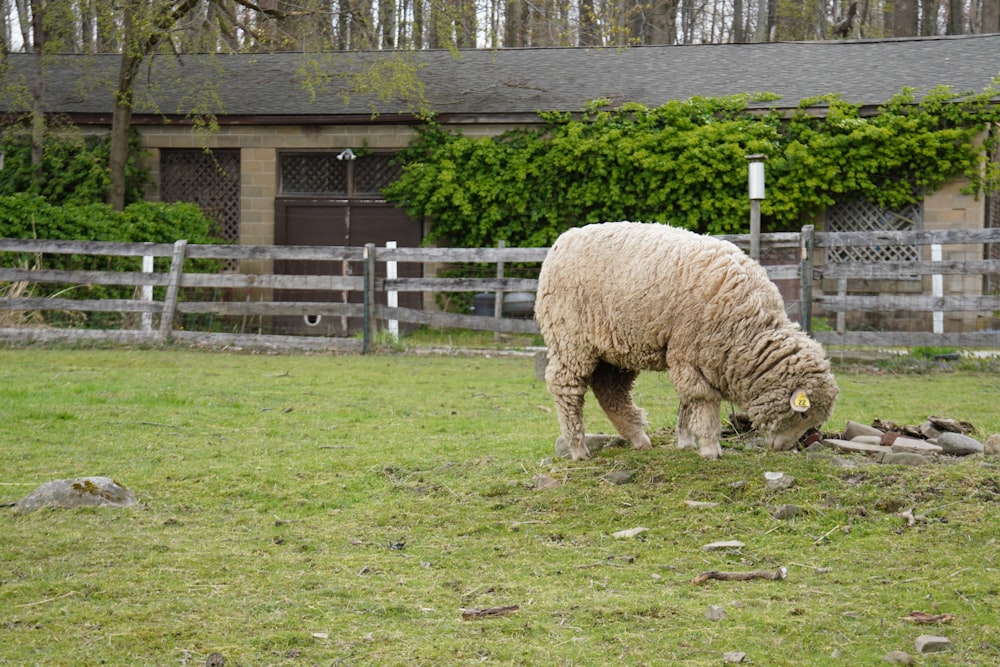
800,400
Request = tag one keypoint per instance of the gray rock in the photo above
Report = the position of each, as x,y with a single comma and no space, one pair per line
594,442
840,462
992,445
620,477
700,504
851,447
928,430
727,544
899,658
818,447
734,657
854,429
905,459
931,644
715,613
868,439
79,492
915,446
784,512
778,481
543,482
957,444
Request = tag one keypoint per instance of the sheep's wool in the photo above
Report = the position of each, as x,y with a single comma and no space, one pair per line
618,298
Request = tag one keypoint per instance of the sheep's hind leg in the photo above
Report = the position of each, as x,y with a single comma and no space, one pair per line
613,388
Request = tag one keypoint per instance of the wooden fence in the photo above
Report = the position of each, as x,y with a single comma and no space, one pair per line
786,256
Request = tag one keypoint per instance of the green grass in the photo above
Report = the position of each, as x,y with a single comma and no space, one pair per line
319,510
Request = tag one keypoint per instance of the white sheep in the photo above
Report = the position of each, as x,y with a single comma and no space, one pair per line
617,298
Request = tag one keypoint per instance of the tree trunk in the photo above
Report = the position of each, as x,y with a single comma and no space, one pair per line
38,95
590,34
956,17
121,123
904,18
738,36
990,18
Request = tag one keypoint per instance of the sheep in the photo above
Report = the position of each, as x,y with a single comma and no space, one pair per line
618,298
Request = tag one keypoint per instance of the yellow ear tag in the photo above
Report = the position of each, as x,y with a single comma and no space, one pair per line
800,400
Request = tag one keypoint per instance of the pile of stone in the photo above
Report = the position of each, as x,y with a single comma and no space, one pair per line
887,442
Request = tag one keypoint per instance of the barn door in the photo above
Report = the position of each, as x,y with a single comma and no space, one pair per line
340,223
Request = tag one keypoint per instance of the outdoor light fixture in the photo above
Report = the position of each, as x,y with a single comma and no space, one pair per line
346,154
756,175
756,188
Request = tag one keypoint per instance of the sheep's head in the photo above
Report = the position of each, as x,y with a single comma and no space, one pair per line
788,414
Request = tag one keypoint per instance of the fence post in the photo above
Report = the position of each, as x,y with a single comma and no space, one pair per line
806,245
498,300
173,290
147,295
370,328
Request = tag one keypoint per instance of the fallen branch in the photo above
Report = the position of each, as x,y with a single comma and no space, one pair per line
780,573
469,614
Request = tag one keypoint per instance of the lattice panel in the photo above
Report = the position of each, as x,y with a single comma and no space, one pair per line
211,180
313,173
863,216
374,172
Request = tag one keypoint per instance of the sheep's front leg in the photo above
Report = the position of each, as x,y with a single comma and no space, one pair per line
698,423
699,427
568,389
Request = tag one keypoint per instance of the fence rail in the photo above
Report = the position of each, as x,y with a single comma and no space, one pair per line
842,293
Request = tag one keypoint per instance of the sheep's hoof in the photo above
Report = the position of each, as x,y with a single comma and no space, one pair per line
711,452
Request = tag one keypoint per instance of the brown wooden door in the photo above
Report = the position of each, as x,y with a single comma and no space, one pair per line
340,222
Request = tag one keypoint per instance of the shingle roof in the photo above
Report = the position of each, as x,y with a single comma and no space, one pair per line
487,83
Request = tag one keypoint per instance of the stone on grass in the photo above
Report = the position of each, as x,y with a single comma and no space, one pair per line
734,657
619,477
629,532
992,445
715,613
778,481
700,504
851,447
915,446
544,482
594,442
905,459
898,658
957,444
854,429
784,512
931,644
726,544
79,492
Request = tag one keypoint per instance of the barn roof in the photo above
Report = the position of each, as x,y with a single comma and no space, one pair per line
487,84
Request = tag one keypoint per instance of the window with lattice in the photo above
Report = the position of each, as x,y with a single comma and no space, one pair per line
860,215
325,174
209,179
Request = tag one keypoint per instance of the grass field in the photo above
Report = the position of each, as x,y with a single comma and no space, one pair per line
321,510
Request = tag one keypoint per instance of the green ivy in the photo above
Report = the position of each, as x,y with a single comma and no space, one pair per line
684,163
74,168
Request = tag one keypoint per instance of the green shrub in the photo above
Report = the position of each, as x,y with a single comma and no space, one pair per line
74,168
684,163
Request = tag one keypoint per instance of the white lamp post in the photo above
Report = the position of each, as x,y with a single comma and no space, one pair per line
756,188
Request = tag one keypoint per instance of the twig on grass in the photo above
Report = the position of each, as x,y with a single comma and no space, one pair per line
825,535
469,614
46,600
780,573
